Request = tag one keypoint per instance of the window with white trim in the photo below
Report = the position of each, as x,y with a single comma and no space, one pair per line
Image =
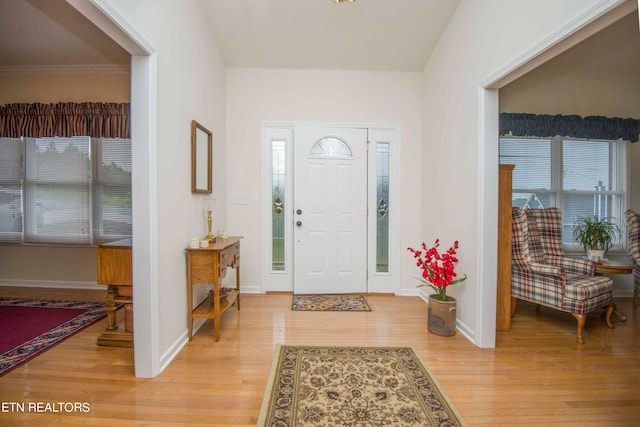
584,178
73,190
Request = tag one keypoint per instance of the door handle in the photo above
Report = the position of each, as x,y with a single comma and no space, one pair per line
298,223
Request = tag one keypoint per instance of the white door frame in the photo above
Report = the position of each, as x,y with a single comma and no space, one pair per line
148,361
282,281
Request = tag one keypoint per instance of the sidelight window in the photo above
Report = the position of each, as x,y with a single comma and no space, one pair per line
278,205
382,207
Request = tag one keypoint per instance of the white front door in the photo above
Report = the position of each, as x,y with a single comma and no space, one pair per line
330,210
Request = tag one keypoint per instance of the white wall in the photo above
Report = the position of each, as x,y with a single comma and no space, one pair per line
256,95
191,81
557,95
460,147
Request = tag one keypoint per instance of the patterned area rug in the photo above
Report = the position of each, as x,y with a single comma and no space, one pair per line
323,302
30,327
353,386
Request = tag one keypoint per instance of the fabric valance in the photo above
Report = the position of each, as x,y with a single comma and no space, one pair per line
65,119
590,127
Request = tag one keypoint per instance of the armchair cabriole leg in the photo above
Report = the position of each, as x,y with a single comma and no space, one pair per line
610,309
581,318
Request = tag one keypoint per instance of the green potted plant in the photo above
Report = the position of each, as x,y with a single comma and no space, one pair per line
596,236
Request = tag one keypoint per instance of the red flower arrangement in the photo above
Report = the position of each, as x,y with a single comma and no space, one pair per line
438,269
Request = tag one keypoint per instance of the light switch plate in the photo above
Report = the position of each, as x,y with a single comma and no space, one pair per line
241,199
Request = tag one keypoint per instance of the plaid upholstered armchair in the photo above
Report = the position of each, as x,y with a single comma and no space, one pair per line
633,247
543,275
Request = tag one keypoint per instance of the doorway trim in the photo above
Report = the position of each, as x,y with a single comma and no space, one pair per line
148,362
282,280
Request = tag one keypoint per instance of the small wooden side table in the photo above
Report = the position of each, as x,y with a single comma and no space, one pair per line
209,265
613,267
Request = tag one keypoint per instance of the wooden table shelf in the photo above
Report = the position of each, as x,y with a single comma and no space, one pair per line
206,308
209,265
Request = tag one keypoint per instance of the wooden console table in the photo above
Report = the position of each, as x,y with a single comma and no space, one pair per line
209,265
114,270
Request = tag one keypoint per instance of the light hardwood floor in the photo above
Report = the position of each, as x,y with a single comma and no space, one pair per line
537,375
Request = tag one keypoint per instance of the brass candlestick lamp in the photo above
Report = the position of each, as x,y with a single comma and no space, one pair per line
208,205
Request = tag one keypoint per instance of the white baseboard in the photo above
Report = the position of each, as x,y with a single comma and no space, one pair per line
244,289
56,284
197,324
410,292
464,330
171,353
623,293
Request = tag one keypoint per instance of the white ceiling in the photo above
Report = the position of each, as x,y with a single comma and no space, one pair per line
318,34
395,35
364,35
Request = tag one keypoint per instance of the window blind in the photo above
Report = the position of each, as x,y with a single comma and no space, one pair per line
11,174
112,217
56,190
593,179
532,160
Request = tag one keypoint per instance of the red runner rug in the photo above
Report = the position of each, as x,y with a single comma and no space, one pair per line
30,327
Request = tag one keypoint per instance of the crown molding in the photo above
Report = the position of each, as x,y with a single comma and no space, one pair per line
65,69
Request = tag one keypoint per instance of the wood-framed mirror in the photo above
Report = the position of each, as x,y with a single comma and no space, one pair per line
201,158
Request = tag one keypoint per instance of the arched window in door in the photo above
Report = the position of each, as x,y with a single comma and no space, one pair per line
331,147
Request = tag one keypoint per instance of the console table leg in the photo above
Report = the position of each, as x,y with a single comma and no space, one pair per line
112,308
238,284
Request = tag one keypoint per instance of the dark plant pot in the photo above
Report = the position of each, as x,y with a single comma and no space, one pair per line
441,316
